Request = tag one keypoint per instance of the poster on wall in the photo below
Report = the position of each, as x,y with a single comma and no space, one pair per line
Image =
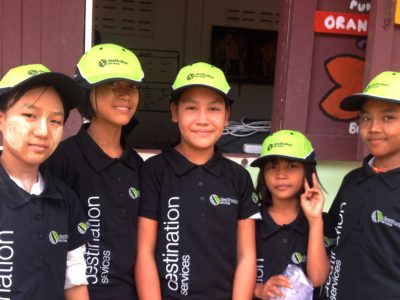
245,55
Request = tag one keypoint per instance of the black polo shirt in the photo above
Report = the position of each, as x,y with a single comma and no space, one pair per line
36,232
365,264
197,208
280,245
109,191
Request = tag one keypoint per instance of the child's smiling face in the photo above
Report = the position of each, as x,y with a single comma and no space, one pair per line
115,102
201,114
32,127
380,131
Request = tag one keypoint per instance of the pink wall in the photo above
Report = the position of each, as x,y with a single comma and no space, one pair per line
311,68
50,32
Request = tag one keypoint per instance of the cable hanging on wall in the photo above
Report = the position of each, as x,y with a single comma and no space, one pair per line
244,129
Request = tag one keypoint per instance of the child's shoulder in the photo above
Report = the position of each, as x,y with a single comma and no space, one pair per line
55,186
68,146
156,163
354,174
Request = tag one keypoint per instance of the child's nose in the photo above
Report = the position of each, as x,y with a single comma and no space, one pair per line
42,127
376,125
203,118
281,173
123,93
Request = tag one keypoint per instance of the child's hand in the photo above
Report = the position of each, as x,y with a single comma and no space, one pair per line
312,200
269,289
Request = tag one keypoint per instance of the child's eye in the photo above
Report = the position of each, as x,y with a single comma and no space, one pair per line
214,108
388,118
57,122
29,116
271,167
364,118
190,107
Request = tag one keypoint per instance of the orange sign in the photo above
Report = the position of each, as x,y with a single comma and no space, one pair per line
341,23
397,15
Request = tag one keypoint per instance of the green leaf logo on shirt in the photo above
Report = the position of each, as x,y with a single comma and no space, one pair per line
328,242
82,227
215,199
134,193
377,216
297,258
255,197
54,237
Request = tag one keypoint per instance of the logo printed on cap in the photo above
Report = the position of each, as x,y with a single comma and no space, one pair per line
202,74
375,86
102,63
285,143
111,61
278,145
34,72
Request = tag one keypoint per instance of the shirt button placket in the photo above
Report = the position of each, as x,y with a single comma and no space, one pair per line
200,184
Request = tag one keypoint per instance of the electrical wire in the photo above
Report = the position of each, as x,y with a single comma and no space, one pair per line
243,129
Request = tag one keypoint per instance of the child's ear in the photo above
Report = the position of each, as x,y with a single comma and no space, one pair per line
2,119
174,112
227,114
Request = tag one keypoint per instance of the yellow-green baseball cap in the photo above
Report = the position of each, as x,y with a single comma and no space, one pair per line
18,77
106,63
201,74
288,144
383,87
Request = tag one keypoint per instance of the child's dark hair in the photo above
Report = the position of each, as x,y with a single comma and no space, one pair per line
85,107
9,99
265,194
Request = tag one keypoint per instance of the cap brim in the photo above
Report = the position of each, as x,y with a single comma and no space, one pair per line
71,93
356,101
179,91
259,162
87,85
